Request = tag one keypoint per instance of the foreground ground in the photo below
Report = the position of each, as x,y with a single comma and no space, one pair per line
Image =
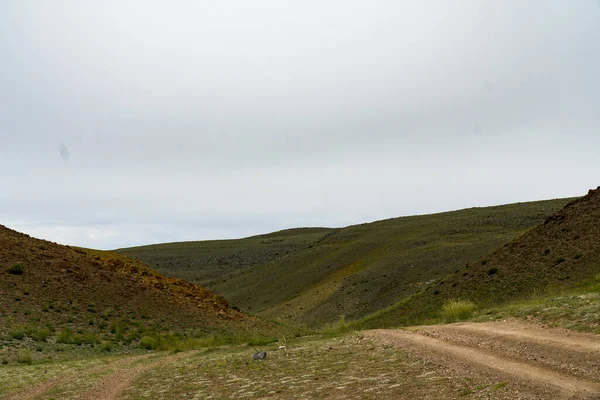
492,360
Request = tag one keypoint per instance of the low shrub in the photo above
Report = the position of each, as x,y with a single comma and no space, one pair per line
37,334
16,269
25,358
67,336
17,333
457,310
106,346
148,343
335,328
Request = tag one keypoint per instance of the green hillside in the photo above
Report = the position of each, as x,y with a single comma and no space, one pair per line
204,262
317,275
560,254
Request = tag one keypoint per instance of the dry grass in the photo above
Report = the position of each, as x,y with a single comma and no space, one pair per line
348,367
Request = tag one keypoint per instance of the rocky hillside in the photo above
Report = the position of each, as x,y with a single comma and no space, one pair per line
43,283
562,252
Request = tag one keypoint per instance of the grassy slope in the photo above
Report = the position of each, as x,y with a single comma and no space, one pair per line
93,292
360,269
203,262
560,254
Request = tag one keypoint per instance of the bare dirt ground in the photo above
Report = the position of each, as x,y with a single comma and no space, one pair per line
539,363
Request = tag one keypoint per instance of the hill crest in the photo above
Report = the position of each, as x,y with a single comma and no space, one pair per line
68,286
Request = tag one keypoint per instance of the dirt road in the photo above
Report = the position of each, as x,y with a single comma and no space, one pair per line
111,387
121,373
543,363
496,360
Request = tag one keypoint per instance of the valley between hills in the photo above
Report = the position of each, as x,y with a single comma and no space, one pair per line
498,302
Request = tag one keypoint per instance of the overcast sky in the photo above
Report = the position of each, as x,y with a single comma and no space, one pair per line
135,122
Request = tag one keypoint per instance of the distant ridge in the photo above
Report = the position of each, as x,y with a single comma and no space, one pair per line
317,275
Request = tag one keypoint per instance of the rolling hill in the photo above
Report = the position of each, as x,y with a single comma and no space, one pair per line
207,261
315,276
43,284
561,253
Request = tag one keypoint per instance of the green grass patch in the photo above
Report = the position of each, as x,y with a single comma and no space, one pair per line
336,328
457,310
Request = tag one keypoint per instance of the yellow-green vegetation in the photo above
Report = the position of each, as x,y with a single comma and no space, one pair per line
457,310
44,345
336,328
169,341
312,276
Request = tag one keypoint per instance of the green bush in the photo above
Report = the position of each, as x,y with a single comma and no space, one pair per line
16,269
25,358
67,336
335,328
90,338
106,313
457,310
37,334
64,336
17,333
492,271
106,346
148,343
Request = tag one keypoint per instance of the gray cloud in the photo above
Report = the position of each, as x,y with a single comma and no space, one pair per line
201,119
